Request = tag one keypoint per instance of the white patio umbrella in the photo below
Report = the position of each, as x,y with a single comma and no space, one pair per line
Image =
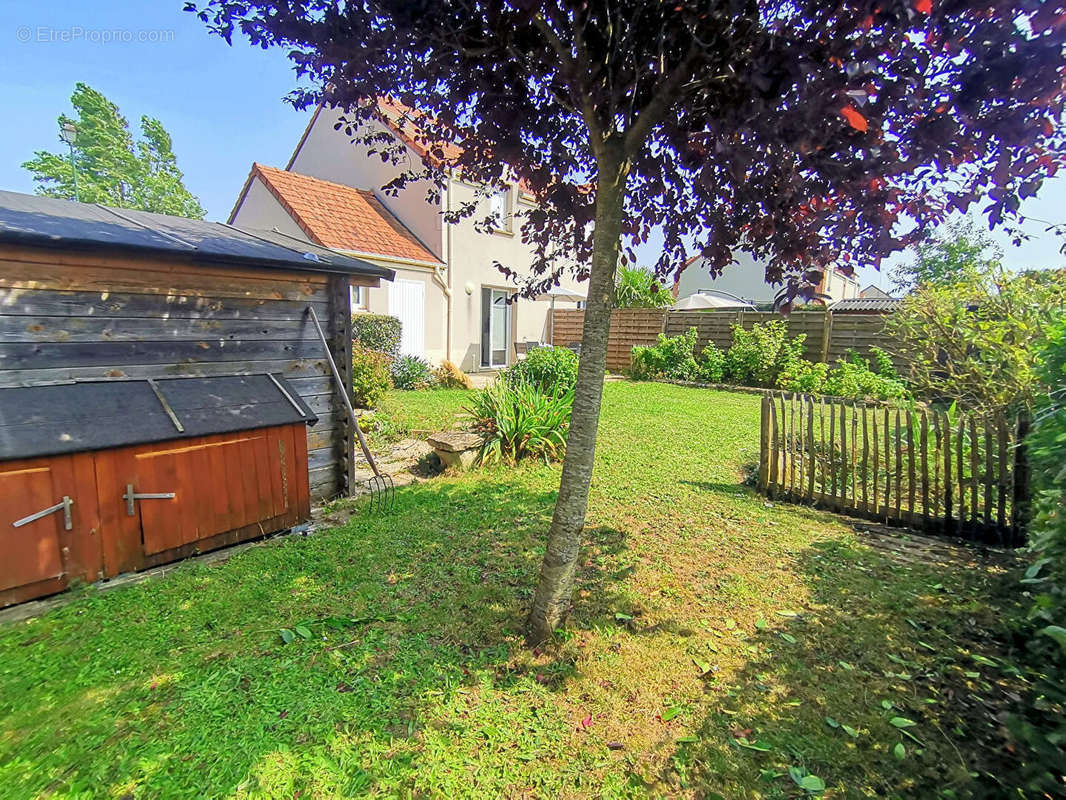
553,294
703,302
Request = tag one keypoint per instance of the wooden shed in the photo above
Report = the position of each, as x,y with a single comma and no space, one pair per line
90,294
98,478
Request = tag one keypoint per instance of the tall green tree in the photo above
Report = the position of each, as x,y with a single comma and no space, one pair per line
955,253
112,168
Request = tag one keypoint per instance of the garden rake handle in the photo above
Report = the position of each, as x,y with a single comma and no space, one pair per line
344,393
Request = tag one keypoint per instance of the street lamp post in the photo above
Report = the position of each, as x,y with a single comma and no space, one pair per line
69,134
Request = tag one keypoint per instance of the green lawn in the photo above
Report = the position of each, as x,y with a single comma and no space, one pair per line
716,641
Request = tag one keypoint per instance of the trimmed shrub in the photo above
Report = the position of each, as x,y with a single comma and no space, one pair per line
449,376
520,420
710,368
669,357
377,332
370,376
759,355
553,369
411,372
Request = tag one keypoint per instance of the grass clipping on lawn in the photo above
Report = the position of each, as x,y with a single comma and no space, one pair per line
719,646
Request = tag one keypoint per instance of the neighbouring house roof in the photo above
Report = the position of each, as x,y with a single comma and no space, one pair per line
875,293
403,120
866,304
341,217
51,222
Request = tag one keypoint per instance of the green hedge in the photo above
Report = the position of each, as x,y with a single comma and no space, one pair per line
377,332
1043,725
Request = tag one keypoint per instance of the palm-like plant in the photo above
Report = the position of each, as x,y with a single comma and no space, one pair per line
637,288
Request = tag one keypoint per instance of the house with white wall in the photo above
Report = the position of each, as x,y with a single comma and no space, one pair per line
747,280
453,303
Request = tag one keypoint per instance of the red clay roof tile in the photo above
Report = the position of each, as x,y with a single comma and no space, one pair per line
342,217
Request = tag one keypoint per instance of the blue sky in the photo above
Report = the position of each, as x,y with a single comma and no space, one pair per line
223,105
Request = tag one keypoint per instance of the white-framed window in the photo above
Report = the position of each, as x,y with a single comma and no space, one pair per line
495,327
359,297
500,209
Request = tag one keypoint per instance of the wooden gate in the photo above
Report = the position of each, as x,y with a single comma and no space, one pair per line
959,473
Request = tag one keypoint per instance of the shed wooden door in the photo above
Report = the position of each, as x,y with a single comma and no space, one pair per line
226,488
39,557
218,486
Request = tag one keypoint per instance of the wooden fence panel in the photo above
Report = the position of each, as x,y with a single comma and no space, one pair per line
961,475
629,327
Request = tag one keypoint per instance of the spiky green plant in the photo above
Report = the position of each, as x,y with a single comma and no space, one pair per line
520,420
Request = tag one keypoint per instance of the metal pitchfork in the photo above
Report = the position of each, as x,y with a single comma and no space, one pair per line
381,488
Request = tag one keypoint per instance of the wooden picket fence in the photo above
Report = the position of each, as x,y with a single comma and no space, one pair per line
962,474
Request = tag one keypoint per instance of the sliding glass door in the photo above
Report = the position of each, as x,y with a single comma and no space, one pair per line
495,327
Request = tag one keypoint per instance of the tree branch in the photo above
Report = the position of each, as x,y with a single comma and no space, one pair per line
660,102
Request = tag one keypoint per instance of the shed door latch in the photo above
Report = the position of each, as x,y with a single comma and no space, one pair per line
131,497
63,505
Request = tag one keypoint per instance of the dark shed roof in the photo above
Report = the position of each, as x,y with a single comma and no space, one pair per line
94,415
49,222
866,304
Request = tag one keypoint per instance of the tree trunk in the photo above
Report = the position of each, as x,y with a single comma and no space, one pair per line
551,603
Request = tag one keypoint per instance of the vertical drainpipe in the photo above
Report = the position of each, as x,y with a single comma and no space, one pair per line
447,287
448,261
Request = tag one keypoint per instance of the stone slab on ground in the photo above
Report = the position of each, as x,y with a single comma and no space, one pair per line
457,449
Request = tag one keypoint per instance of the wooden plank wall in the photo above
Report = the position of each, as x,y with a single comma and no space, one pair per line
629,327
65,316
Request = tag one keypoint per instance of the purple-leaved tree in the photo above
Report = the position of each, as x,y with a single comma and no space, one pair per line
808,133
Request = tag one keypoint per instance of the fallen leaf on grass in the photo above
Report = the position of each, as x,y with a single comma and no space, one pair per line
670,713
758,745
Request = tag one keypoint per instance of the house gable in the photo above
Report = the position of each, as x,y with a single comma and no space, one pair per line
328,154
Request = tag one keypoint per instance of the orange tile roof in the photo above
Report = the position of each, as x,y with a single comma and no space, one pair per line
342,217
403,121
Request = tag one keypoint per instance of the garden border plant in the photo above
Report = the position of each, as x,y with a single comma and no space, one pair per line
763,357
